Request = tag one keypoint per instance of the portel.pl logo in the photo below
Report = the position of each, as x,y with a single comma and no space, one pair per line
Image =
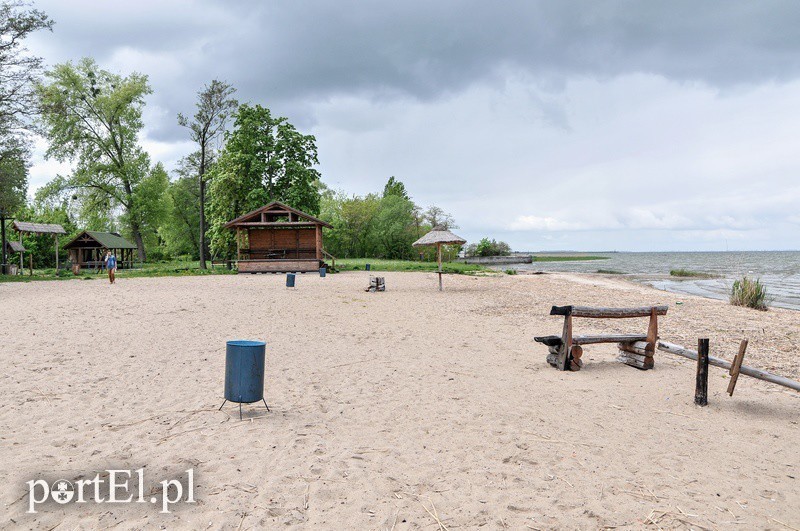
119,487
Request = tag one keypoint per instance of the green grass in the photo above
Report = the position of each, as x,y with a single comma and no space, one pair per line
159,269
562,258
689,273
749,293
511,271
358,264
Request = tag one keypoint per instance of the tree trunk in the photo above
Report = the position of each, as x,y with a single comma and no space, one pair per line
137,237
202,203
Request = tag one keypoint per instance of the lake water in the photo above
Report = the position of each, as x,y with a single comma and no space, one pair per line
778,270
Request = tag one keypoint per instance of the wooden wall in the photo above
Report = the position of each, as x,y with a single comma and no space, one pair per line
269,239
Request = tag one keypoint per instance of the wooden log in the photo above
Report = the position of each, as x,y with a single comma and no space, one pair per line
576,352
672,348
618,338
736,366
552,359
701,382
634,360
553,350
608,313
638,347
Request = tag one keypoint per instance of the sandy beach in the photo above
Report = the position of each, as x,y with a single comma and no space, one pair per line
392,410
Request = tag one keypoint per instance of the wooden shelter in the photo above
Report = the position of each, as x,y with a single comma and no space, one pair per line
277,238
39,229
87,250
15,247
439,236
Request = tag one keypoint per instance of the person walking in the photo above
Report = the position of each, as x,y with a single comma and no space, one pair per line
111,266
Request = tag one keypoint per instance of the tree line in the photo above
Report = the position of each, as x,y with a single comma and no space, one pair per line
243,157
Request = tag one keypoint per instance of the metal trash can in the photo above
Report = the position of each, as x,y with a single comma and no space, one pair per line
290,280
368,267
322,272
244,372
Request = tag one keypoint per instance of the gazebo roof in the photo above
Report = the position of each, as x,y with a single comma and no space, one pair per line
260,217
39,228
15,247
108,240
439,236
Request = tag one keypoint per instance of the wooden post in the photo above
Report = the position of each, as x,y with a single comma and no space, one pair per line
30,260
439,260
566,344
21,259
56,254
319,241
736,366
701,383
238,243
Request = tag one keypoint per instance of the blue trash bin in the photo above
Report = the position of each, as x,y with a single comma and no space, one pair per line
322,272
290,280
244,372
368,267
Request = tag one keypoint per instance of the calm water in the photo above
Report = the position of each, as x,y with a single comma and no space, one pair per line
779,270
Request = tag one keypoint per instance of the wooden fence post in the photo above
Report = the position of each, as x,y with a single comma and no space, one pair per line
701,385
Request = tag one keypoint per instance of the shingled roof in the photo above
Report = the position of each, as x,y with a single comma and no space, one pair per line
108,240
39,228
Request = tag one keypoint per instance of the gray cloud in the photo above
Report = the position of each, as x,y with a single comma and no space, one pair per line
503,107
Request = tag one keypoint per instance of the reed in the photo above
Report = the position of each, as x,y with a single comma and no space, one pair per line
750,293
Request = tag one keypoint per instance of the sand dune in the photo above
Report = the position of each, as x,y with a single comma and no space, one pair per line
390,410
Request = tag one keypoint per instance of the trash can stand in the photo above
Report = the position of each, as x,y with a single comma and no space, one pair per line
244,373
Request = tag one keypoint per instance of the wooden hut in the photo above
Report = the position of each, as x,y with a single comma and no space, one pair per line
11,248
277,238
88,249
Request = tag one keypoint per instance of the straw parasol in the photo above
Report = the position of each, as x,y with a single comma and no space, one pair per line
439,236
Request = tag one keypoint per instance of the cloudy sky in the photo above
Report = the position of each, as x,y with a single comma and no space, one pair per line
595,125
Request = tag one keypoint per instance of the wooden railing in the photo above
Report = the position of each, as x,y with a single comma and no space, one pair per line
326,254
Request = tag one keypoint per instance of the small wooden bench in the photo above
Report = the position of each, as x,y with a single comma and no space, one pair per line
635,349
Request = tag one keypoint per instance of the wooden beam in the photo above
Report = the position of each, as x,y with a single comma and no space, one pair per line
318,234
618,338
749,371
608,313
736,367
701,382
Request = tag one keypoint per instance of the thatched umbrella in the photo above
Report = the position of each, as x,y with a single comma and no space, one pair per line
439,236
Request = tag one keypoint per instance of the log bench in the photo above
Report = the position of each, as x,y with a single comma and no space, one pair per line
634,349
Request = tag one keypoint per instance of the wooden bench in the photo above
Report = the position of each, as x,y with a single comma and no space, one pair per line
635,349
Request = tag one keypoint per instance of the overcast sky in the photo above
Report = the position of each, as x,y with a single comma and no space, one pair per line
596,125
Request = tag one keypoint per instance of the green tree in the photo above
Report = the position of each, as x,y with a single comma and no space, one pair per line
395,188
18,70
214,104
264,159
181,230
92,117
13,187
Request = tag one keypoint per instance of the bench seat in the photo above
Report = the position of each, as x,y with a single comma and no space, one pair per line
555,341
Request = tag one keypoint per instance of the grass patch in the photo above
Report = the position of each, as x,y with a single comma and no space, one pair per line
158,269
749,293
511,271
358,264
610,272
689,273
562,258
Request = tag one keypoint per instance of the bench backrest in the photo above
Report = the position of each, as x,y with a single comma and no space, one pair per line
608,313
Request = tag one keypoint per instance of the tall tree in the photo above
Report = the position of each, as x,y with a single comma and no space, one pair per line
13,186
214,105
264,159
18,70
92,117
181,230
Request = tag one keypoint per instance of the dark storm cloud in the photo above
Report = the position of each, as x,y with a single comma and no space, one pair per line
283,53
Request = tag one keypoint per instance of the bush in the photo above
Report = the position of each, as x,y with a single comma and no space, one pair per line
511,271
487,247
749,293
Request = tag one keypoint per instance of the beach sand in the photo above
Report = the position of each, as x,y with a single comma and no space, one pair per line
391,408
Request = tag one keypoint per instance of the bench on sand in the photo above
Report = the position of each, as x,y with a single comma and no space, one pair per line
634,349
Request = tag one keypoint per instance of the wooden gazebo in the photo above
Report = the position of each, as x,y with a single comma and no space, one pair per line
87,250
24,227
277,238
